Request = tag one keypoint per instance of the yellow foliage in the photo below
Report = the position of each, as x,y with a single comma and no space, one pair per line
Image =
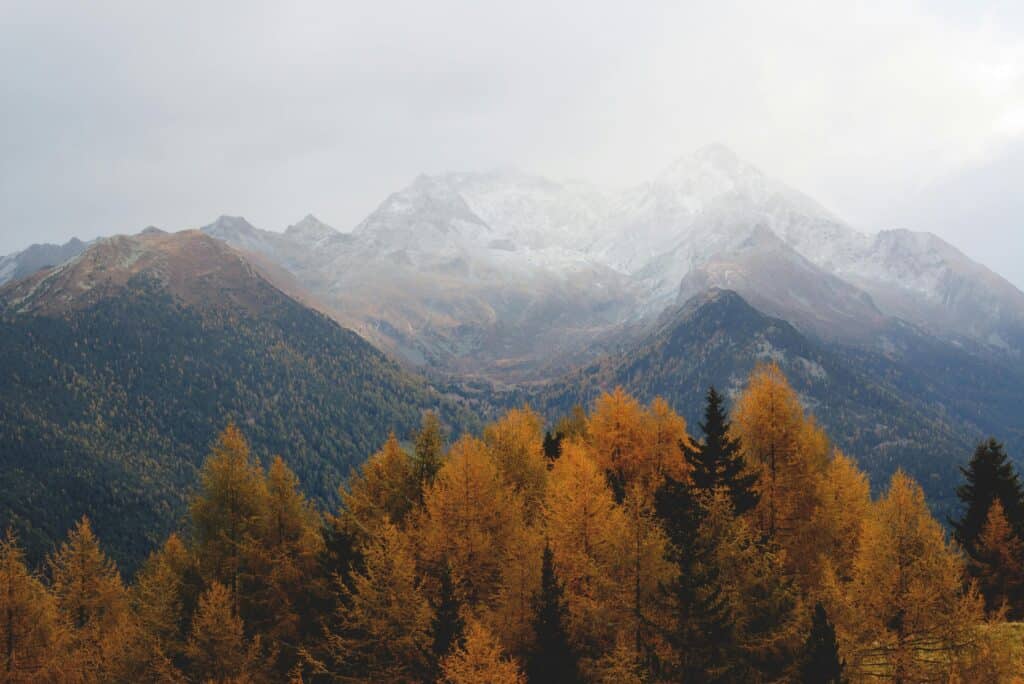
385,489
469,518
790,454
480,660
585,529
32,638
516,443
845,499
636,444
512,615
905,613
385,618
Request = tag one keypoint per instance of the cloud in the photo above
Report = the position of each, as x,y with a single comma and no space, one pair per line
122,114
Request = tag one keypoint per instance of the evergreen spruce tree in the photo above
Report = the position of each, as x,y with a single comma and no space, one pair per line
821,663
428,453
990,476
448,625
717,461
552,445
702,633
553,660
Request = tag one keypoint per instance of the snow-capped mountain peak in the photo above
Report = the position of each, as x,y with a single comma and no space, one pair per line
311,230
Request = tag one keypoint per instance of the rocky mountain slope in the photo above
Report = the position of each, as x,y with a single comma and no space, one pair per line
28,261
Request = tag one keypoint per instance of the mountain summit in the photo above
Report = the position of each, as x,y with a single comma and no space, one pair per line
510,275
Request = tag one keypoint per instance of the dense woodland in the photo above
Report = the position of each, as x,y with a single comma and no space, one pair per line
620,546
110,408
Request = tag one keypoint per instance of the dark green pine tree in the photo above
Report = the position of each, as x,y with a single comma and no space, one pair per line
428,452
552,446
448,625
821,664
552,660
340,558
717,462
702,632
990,475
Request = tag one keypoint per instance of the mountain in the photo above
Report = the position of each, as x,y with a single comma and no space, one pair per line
707,216
923,279
888,410
512,277
428,279
28,261
119,367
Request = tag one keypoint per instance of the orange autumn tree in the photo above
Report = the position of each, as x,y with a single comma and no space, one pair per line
586,529
516,445
469,517
635,444
844,500
217,649
480,659
643,569
93,602
384,489
512,612
383,628
32,636
160,596
790,453
904,614
999,562
227,514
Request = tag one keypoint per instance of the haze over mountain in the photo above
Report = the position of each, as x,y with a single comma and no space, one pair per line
510,275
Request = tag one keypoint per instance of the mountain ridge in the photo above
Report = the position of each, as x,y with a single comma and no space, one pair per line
118,369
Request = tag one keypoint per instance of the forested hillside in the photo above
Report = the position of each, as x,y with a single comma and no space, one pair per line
918,407
117,371
623,548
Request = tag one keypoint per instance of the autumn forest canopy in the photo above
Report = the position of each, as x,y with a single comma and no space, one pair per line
616,545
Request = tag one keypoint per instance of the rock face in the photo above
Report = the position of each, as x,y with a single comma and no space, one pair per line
28,261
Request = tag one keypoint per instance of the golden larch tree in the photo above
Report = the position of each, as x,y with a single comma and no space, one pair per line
228,512
844,502
905,613
32,638
516,443
384,627
643,569
511,616
999,563
159,597
637,444
94,603
480,660
217,649
282,579
790,454
469,518
586,529
384,489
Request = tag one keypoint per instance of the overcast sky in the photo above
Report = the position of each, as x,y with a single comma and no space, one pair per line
118,115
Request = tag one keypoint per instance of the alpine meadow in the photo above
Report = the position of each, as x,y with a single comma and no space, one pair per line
660,409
